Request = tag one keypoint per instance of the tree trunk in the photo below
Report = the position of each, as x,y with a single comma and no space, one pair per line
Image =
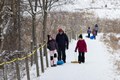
44,26
33,22
44,19
19,25
34,30
1,20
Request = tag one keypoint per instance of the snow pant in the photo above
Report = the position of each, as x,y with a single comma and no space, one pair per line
62,54
88,35
96,32
53,57
94,36
81,57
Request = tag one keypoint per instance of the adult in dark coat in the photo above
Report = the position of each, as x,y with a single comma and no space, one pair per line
63,43
96,29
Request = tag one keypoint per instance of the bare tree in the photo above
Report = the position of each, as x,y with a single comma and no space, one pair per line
46,6
19,22
43,7
1,20
33,13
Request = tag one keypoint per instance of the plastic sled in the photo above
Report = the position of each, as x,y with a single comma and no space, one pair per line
75,58
74,61
60,62
91,37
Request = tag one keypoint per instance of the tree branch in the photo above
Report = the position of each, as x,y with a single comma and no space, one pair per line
31,6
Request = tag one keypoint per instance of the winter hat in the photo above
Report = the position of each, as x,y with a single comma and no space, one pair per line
60,30
96,25
49,36
80,36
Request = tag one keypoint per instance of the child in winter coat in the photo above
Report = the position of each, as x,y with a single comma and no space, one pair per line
82,48
52,46
88,31
94,33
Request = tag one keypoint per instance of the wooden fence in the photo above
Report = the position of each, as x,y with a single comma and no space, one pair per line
20,66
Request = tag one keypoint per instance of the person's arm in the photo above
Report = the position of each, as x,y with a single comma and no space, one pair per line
48,45
67,41
85,46
56,38
56,45
76,46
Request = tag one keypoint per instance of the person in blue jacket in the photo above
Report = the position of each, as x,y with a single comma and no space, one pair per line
89,32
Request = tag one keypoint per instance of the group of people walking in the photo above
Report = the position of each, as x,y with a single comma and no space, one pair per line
58,46
94,31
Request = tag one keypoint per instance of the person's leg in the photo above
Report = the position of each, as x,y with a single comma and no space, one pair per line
79,57
51,58
96,32
83,57
94,36
55,58
59,54
63,55
88,35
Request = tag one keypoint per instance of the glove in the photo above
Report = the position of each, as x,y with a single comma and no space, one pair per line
75,50
67,47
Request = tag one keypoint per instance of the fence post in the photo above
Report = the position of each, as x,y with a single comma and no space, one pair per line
27,68
41,58
1,37
17,69
32,57
36,61
46,55
4,72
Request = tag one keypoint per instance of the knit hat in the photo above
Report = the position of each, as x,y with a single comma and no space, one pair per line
49,36
60,30
80,36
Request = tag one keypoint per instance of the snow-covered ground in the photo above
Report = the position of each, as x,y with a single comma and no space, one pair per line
99,62
98,65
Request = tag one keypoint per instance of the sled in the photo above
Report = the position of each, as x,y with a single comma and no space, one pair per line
75,60
92,37
60,62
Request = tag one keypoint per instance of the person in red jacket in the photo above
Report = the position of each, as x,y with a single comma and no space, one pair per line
82,48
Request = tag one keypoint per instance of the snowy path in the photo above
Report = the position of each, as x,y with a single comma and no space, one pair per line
96,67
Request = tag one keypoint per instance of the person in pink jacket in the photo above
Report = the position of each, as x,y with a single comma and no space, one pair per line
82,48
